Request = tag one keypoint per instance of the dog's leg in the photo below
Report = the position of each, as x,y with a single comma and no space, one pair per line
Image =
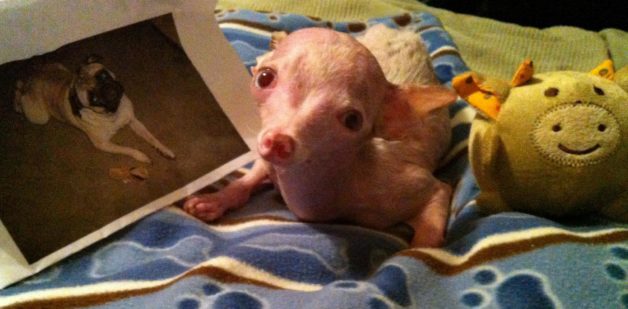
34,110
431,223
141,130
209,207
110,147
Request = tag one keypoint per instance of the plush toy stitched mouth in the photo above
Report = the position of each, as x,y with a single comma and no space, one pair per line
578,152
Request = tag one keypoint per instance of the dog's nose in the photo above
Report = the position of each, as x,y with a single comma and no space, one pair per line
110,94
276,148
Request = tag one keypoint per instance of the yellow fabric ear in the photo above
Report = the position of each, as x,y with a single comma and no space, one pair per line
605,70
466,83
523,74
469,86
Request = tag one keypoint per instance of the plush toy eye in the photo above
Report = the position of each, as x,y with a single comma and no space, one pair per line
265,78
551,92
352,120
598,90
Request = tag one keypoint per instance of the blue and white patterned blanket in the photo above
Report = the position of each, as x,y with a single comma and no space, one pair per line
261,257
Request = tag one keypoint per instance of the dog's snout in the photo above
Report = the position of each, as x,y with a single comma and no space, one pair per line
112,91
276,147
108,95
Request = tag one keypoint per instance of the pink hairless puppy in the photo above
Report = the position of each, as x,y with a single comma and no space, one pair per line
341,142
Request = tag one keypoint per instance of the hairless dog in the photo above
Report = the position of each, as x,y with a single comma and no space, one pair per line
340,141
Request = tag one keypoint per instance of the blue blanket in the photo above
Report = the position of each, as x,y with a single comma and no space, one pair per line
262,257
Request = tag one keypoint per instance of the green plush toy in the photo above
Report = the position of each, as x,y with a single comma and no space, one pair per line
552,144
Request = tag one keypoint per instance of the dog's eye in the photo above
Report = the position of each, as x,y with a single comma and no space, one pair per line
352,120
103,76
265,78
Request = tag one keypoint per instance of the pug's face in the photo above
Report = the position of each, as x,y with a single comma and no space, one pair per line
97,88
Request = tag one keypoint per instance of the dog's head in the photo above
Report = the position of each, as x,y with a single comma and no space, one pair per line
97,87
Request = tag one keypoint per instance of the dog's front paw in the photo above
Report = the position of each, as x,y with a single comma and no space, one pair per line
207,207
140,156
166,153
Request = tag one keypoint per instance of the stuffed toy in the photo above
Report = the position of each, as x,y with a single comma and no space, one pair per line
552,144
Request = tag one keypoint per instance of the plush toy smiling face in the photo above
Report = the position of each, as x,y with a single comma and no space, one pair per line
579,128
563,135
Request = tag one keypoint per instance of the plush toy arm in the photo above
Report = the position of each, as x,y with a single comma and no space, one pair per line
618,210
485,146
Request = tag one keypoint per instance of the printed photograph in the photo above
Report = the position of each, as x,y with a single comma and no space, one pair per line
99,128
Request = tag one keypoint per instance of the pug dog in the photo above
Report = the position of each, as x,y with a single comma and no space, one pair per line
92,99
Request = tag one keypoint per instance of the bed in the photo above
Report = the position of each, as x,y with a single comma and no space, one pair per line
262,257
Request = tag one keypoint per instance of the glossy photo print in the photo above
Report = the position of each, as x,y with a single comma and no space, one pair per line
66,172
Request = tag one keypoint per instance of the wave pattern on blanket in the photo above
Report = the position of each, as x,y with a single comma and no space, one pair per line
261,257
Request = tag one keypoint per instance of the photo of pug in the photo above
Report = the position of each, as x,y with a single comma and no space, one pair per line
91,99
56,186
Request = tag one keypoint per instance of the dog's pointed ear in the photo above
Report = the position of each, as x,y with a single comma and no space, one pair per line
407,103
93,58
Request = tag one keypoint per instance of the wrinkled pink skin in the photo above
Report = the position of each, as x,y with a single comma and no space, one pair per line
375,175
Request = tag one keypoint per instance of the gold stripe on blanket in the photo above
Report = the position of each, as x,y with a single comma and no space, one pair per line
509,244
